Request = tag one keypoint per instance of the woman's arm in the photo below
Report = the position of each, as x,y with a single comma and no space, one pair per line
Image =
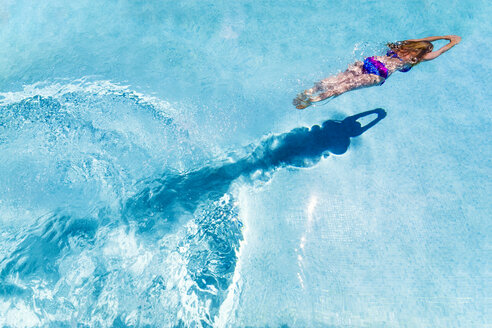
435,38
453,40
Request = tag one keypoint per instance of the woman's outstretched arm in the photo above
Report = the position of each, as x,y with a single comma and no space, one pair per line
453,40
435,38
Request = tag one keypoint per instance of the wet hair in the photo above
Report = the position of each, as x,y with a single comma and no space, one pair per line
417,49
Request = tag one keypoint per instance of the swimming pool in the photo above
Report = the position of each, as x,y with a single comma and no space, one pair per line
152,171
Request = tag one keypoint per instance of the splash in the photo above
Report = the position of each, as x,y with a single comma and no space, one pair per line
74,154
84,143
115,213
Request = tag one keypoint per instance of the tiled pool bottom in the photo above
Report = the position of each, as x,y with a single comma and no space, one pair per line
120,206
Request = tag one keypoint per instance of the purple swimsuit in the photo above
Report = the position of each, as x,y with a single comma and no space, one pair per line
374,66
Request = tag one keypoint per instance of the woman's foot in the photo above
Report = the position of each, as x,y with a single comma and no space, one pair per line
301,101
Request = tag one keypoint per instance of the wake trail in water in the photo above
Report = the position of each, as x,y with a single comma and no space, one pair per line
302,147
116,246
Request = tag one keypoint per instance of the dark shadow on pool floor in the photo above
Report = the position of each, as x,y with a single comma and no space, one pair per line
172,195
164,198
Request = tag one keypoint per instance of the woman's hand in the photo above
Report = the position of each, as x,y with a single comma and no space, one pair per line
453,38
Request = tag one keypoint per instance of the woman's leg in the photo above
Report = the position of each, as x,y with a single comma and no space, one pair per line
353,78
345,83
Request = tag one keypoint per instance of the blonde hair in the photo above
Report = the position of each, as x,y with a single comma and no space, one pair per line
417,49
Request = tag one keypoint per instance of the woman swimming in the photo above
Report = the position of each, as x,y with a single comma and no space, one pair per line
401,56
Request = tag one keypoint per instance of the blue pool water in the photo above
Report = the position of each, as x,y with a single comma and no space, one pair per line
154,173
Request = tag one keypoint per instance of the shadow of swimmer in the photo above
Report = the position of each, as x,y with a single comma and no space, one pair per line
172,195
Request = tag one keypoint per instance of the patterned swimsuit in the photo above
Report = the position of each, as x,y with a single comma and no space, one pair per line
374,66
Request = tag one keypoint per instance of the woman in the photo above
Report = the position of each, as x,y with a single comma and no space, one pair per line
401,56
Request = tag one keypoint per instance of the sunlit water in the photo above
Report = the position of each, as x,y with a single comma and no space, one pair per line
153,171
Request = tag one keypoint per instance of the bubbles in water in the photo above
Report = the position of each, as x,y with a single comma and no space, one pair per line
75,153
84,143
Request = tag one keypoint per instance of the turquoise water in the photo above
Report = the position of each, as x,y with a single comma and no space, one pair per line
152,168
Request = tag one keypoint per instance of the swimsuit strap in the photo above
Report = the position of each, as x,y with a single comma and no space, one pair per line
392,54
